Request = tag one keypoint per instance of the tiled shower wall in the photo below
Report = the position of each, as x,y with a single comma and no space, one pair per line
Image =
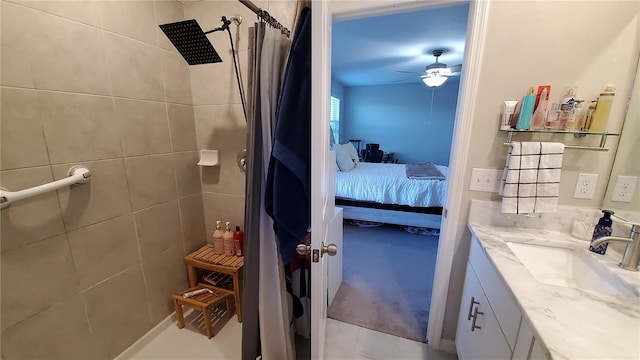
220,123
88,270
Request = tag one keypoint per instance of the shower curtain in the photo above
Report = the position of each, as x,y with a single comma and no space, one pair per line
266,329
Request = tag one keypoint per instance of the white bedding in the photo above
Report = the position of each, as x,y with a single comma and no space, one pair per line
388,184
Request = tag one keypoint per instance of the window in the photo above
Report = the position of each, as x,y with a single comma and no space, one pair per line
335,119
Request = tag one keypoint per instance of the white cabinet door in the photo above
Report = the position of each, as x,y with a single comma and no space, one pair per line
478,335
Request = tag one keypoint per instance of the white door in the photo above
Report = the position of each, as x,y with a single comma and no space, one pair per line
322,167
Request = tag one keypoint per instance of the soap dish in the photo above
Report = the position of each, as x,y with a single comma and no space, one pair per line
209,158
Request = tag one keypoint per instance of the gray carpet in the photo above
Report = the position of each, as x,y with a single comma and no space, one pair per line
387,280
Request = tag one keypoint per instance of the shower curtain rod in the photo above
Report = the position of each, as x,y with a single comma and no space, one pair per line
266,17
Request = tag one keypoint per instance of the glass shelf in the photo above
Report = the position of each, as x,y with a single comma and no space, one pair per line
600,147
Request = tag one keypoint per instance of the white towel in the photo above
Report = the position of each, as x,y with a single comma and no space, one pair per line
531,179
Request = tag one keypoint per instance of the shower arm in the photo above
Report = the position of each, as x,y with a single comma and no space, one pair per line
225,26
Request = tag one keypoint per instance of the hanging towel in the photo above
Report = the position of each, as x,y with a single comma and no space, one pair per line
532,177
288,187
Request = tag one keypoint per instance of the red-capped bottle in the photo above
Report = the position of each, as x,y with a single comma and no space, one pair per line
238,240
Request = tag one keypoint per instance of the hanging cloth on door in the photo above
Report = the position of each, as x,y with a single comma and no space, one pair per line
288,193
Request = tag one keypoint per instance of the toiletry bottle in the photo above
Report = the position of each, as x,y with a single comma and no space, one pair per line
588,120
552,117
238,241
575,120
526,110
603,108
603,228
228,240
568,101
540,115
218,241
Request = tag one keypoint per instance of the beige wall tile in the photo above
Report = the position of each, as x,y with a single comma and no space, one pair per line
176,78
16,67
134,19
35,277
144,127
33,219
158,229
135,67
223,128
192,218
182,126
86,12
104,197
168,12
66,55
118,312
21,134
104,249
60,332
187,173
223,207
216,84
165,273
79,127
151,180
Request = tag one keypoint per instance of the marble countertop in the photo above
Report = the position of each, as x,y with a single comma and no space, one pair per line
570,323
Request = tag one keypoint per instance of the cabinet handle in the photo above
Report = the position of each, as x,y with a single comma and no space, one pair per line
475,317
473,302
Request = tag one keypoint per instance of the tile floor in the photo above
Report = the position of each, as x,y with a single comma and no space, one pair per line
344,342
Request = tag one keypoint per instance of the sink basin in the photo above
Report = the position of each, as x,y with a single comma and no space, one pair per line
570,268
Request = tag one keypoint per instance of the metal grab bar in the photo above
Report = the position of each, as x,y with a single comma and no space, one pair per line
77,175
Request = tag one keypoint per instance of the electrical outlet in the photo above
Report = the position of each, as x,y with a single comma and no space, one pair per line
585,186
625,186
486,180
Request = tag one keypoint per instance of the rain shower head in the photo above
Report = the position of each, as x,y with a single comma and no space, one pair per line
192,43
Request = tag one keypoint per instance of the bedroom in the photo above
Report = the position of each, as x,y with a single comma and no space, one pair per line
378,97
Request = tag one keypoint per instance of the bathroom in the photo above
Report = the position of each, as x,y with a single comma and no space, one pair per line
150,115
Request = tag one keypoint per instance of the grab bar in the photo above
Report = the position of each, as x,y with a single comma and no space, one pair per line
77,175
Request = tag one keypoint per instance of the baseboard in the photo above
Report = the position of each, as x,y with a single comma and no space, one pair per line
150,335
448,346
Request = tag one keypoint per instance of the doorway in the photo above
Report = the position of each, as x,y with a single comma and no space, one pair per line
365,245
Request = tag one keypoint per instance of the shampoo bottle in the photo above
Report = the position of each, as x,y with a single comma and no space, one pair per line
228,240
218,242
603,108
603,228
526,110
238,241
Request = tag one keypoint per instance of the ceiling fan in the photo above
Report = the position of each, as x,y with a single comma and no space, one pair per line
437,73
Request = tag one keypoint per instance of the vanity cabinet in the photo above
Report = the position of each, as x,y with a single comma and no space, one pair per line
490,325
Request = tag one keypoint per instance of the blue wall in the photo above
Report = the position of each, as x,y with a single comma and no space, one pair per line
400,118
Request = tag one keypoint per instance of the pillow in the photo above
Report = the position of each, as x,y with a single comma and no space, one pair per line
343,159
353,153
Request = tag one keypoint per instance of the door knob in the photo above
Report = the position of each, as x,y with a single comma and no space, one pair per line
304,249
330,249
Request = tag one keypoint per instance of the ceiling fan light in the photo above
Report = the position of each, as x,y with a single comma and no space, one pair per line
434,81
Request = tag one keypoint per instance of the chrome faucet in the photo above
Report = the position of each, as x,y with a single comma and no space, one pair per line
631,256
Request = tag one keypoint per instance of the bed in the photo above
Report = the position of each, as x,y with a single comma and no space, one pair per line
382,192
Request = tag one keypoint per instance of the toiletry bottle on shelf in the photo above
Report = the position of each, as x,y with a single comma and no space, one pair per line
526,110
238,241
589,115
552,117
603,108
568,101
228,240
540,115
575,119
218,241
603,228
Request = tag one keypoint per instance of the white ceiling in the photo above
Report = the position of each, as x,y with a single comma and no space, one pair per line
370,51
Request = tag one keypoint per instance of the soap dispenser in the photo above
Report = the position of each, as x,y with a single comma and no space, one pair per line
218,242
228,240
602,229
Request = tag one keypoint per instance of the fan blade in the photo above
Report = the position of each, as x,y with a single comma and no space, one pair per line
398,81
409,72
456,68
